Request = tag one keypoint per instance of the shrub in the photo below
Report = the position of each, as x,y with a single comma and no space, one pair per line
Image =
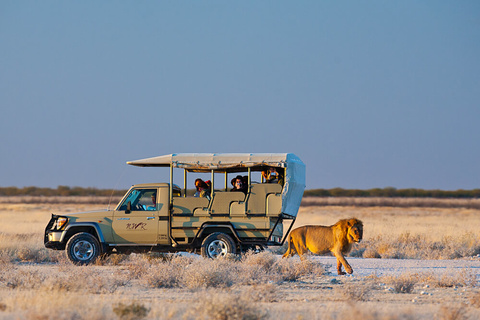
356,291
475,300
263,293
131,311
451,313
226,305
465,278
371,253
163,275
404,283
293,268
210,273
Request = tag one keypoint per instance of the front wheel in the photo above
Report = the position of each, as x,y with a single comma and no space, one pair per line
217,245
83,248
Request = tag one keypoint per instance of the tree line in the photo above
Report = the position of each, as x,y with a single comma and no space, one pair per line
59,191
393,193
334,192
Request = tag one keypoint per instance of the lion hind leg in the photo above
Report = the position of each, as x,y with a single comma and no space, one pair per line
291,248
301,248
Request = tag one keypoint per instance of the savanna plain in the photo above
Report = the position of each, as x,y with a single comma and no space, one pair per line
441,241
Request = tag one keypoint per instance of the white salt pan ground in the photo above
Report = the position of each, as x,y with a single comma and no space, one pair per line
393,267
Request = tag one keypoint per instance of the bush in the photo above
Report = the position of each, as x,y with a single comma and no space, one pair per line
356,291
227,305
131,311
404,283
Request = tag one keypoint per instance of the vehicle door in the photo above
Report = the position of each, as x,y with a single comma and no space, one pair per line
136,220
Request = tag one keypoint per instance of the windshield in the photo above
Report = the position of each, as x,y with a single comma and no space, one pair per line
141,199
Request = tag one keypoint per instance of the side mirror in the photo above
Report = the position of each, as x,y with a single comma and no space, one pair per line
129,207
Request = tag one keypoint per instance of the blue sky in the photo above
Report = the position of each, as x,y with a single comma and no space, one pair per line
368,94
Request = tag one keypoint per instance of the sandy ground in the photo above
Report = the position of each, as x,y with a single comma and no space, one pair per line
365,294
395,267
362,295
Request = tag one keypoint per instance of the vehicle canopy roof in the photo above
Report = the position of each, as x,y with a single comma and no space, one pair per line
238,162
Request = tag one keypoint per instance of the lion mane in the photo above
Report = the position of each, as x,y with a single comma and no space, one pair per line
337,239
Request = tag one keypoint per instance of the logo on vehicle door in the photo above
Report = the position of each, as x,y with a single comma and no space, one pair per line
136,226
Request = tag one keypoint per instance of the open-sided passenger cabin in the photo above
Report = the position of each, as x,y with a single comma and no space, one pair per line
262,199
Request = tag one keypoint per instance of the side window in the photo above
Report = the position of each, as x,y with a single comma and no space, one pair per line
141,200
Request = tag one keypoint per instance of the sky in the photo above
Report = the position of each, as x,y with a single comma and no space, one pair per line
369,94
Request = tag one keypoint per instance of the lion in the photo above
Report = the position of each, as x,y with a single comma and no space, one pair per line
337,239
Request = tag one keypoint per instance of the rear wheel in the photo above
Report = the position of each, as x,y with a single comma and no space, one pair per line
83,248
217,245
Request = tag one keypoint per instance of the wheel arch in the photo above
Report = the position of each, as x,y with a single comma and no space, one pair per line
88,227
208,228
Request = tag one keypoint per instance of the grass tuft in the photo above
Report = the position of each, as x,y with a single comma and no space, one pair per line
132,311
227,305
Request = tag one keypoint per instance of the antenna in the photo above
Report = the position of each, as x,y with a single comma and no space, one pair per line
114,188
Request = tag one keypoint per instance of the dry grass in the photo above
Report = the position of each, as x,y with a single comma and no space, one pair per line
354,292
226,305
134,310
256,286
404,283
193,272
411,233
408,246
452,313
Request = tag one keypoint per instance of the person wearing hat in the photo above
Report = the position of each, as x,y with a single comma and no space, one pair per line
239,184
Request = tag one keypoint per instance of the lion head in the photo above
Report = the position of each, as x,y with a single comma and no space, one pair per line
355,230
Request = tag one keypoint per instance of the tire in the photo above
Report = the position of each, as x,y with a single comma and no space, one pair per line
82,248
218,245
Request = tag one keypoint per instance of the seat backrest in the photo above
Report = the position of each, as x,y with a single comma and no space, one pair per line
257,199
188,205
222,200
274,204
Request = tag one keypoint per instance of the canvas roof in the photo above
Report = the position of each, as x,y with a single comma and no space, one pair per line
216,161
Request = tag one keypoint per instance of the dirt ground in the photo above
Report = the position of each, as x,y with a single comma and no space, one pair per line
441,289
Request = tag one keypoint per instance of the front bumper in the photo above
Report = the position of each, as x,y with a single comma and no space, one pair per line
55,245
53,238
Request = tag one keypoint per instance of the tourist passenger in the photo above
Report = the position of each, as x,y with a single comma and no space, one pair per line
239,184
270,175
203,190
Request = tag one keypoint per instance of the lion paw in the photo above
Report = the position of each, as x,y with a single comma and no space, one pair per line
341,273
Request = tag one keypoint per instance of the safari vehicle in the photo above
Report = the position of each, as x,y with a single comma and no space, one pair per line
165,218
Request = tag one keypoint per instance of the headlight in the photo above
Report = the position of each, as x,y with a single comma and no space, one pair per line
61,222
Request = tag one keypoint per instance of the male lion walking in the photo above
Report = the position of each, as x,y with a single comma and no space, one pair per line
337,239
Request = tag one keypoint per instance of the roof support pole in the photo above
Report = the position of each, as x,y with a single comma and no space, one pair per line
171,185
184,183
212,185
249,179
226,182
